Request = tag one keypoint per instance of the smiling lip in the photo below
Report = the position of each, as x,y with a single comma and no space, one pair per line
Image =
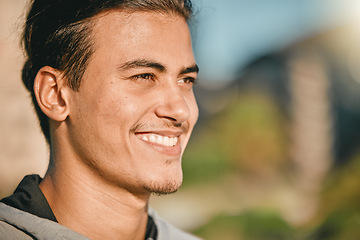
166,142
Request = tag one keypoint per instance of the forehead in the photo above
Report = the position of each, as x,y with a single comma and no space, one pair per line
142,34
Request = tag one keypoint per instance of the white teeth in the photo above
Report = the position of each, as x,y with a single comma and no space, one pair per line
167,141
159,140
175,140
172,141
162,140
152,138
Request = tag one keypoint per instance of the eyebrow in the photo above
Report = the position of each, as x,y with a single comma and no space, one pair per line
140,63
192,69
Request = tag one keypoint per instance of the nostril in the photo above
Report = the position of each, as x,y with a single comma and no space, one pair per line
172,119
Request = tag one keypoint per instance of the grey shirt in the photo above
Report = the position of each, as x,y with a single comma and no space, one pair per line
20,225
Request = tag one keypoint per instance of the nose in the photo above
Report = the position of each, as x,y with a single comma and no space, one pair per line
173,105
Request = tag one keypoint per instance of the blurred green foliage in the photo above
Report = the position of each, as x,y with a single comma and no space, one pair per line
247,137
249,140
338,216
251,225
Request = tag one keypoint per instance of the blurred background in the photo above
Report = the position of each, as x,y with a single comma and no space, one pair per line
276,151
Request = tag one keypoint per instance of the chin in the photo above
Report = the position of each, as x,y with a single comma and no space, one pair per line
162,190
163,180
164,187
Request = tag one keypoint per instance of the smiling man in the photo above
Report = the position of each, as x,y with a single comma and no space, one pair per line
112,84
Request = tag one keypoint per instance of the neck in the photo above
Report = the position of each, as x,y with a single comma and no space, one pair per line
91,206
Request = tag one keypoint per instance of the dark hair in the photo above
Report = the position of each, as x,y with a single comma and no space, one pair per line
57,34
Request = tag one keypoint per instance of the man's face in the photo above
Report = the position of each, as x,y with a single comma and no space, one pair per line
135,109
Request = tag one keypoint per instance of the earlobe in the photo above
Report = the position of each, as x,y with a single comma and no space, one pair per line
48,89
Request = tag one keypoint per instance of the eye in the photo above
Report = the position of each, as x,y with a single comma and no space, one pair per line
146,76
187,80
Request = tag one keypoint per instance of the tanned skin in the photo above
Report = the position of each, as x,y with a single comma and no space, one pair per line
137,87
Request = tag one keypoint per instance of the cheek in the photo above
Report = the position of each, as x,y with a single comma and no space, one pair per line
98,114
112,105
194,110
121,113
130,106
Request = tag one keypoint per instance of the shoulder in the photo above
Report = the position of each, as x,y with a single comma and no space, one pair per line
7,231
166,231
17,224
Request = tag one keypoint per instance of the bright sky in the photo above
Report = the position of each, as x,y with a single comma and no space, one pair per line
231,33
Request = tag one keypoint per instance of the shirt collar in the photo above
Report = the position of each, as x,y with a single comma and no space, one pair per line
28,197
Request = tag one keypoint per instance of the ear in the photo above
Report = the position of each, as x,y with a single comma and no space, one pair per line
50,91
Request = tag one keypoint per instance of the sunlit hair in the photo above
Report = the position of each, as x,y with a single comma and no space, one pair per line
57,33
